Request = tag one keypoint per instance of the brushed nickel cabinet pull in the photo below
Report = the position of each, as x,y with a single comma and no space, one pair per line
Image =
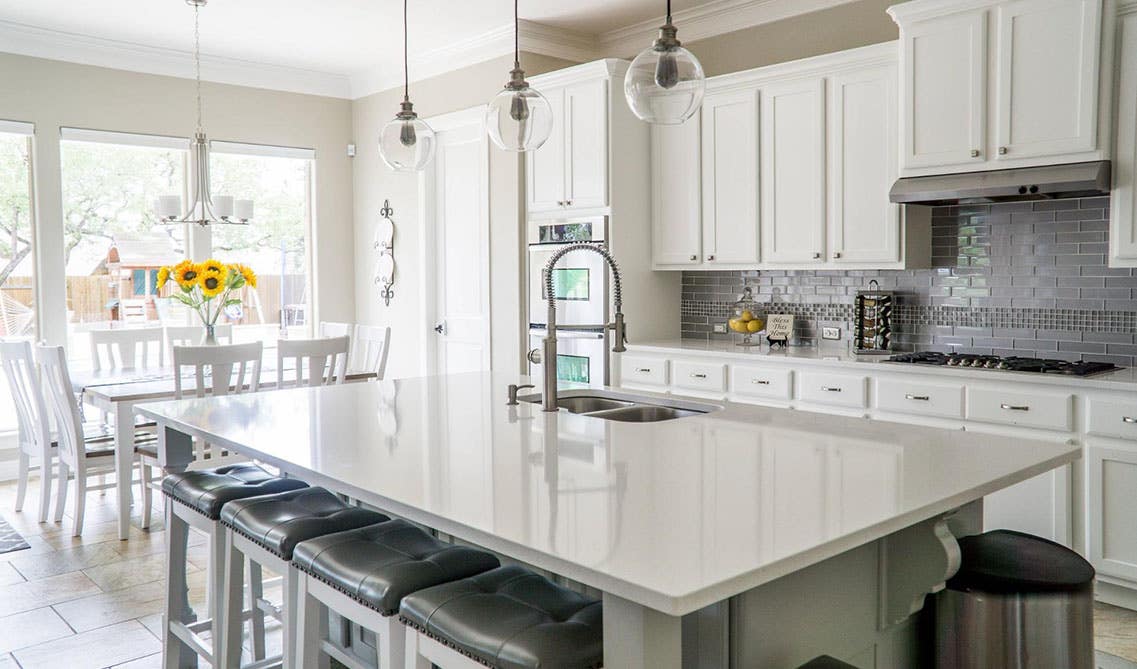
644,370
1002,150
837,255
760,382
710,257
831,389
694,257
975,153
1014,407
816,256
1129,419
695,375
921,398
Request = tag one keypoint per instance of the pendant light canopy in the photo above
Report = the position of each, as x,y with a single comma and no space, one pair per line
665,83
519,118
406,143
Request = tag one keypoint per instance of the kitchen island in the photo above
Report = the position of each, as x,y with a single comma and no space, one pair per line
758,536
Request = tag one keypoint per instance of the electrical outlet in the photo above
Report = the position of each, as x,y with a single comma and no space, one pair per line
720,328
830,333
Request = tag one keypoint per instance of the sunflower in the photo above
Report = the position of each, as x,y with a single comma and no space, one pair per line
212,265
186,274
163,277
247,272
212,284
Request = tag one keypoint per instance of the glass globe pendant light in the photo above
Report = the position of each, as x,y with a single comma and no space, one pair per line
665,83
519,118
406,143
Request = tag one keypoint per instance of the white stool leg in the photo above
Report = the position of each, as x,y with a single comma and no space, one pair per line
256,593
290,579
414,659
311,628
174,653
230,607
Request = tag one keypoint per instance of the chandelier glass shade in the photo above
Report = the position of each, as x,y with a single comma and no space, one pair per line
665,83
407,142
518,118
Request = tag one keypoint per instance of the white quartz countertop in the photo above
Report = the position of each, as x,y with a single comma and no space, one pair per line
672,515
834,354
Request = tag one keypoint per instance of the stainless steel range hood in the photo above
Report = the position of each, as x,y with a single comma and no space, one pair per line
1025,183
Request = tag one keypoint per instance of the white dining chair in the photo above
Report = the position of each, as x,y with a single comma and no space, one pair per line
77,453
333,329
317,362
34,431
372,345
191,335
127,348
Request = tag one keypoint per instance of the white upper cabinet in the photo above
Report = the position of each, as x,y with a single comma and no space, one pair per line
730,178
676,207
793,172
1123,207
570,170
997,84
1047,77
945,91
864,227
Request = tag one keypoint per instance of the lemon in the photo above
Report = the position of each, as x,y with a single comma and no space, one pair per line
755,325
737,325
746,316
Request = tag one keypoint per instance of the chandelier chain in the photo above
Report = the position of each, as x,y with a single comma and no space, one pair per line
197,60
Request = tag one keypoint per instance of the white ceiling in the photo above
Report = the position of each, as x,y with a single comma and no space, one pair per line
357,44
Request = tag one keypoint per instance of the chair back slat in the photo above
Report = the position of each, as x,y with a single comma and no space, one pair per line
220,362
32,419
191,335
64,407
324,360
372,345
127,348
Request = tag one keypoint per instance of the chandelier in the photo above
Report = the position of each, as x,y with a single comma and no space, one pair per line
203,209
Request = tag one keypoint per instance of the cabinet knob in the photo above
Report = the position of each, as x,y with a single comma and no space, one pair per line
1129,419
710,257
694,257
817,256
568,203
1014,407
1002,150
560,203
837,255
975,153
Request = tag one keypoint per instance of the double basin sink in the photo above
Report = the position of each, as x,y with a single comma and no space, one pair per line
624,407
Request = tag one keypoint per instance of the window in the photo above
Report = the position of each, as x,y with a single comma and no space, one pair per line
276,244
17,293
113,242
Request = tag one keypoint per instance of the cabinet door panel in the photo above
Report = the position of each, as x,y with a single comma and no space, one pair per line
944,91
730,178
586,145
1123,223
1112,487
864,226
793,172
546,165
676,213
1046,77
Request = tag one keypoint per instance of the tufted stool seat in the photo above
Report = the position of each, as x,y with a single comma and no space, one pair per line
279,522
364,574
508,618
197,499
207,490
265,530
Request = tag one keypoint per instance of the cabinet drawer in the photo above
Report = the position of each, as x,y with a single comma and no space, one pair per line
649,371
709,377
918,397
1014,407
760,382
1112,417
837,389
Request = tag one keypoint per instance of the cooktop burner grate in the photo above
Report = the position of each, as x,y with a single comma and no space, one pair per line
1009,363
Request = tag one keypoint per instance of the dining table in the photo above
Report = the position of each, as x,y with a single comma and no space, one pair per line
116,393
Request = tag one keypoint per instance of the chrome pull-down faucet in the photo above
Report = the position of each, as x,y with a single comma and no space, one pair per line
549,345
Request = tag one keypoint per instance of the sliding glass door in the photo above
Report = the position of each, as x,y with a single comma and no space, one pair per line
17,262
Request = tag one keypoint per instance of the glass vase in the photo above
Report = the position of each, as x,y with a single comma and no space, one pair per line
209,337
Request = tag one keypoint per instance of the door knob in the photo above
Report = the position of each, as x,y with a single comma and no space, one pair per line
440,328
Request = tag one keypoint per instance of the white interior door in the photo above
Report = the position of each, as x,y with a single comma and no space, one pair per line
456,267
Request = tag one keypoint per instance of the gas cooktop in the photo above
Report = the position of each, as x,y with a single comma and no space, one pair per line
1010,363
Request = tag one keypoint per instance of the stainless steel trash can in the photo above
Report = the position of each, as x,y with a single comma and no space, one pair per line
1019,602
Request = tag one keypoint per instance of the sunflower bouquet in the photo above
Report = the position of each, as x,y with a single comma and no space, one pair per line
207,287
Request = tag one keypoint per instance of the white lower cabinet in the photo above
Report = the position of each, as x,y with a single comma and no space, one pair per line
761,382
1112,488
912,396
643,370
1040,506
1051,411
700,376
1107,417
843,390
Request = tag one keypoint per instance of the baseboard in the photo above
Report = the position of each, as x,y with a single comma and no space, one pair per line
1114,594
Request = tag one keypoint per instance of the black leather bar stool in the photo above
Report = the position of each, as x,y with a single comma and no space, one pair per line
363,575
265,530
507,618
195,500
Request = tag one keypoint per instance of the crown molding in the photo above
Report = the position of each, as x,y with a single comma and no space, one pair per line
708,20
28,40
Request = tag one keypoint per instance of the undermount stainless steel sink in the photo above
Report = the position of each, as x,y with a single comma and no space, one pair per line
624,407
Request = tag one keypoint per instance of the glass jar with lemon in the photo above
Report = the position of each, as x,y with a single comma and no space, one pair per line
746,318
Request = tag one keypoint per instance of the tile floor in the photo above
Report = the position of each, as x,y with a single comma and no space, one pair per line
95,602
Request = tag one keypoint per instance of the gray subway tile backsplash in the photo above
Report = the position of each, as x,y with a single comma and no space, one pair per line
1028,278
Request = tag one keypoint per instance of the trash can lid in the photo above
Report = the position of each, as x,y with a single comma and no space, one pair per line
1003,561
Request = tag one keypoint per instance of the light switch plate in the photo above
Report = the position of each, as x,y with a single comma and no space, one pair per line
720,328
830,333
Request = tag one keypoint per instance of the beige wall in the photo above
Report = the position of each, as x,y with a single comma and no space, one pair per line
843,27
54,94
374,183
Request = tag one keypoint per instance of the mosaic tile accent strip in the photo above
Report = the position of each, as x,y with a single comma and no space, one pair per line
1022,278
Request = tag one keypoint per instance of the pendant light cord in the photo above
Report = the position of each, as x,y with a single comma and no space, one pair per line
406,67
197,60
516,40
668,11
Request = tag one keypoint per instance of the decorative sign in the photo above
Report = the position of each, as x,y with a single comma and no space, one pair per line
779,328
385,245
